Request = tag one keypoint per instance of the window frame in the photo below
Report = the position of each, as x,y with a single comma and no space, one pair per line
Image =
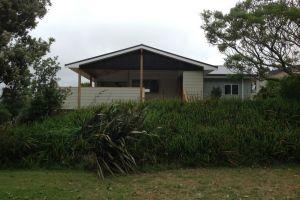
231,89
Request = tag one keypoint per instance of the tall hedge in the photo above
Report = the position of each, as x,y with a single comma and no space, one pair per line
202,133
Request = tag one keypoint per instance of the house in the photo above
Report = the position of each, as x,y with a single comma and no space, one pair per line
142,72
277,74
231,83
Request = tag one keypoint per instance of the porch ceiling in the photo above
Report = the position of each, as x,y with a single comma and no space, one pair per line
87,73
131,61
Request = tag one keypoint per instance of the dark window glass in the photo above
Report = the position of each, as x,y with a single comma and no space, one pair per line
153,85
111,84
235,89
227,89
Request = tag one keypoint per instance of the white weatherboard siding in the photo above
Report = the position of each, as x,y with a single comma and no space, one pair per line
91,96
210,83
193,84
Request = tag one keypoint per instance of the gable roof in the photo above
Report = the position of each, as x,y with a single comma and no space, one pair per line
77,64
222,70
296,68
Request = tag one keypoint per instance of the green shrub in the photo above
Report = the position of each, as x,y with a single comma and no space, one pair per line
271,90
201,133
287,88
16,100
290,87
47,143
226,132
46,96
5,115
216,93
46,102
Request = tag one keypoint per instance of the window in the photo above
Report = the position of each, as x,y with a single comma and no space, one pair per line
235,89
227,89
232,89
152,85
111,84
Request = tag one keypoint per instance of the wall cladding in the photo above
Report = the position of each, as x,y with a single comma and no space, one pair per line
193,84
91,96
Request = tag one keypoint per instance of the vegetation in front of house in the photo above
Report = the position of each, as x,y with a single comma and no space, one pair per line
28,77
204,133
212,183
216,93
103,138
224,132
287,88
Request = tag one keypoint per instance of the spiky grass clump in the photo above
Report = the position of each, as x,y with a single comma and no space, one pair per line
103,137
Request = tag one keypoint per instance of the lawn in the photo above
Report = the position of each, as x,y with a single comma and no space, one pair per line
203,183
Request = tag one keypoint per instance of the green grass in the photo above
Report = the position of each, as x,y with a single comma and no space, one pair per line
202,183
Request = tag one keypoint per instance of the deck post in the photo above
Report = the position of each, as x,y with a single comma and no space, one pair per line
91,81
141,76
128,79
79,90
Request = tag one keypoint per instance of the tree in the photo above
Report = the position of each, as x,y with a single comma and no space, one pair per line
286,88
290,87
270,90
257,35
19,50
47,97
5,115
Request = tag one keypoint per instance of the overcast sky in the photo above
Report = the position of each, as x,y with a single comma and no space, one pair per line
86,28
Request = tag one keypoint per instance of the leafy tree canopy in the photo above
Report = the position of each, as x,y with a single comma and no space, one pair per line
31,90
47,97
257,35
19,50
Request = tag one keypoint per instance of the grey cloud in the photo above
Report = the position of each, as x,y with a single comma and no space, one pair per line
82,33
